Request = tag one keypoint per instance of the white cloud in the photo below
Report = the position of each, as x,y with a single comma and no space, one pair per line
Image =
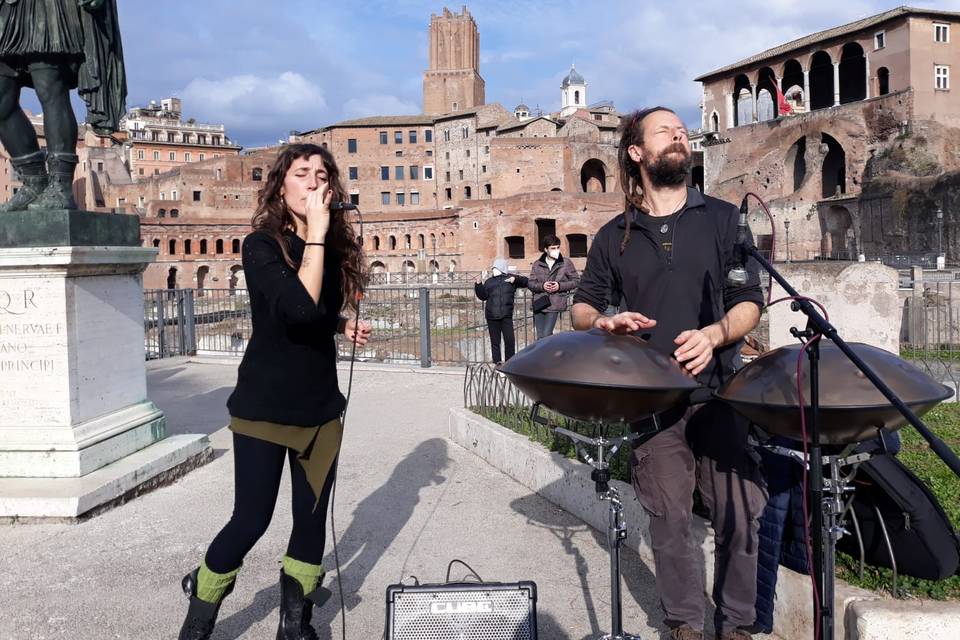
378,105
245,101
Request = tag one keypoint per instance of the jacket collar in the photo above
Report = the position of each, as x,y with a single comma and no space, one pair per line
694,200
543,259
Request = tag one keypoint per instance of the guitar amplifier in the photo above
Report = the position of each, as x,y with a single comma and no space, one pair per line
462,611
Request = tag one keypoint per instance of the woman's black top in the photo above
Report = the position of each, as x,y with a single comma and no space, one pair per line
289,370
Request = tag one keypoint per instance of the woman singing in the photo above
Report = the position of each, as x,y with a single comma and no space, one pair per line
302,266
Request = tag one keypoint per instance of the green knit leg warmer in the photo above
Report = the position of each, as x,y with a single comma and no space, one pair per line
308,575
212,586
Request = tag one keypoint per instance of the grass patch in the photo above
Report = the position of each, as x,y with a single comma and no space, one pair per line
943,420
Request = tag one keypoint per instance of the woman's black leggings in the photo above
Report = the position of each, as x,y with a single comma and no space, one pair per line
257,470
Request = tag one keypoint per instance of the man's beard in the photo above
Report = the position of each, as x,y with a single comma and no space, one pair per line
666,170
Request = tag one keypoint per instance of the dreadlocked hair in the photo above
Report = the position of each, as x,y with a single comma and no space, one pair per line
631,134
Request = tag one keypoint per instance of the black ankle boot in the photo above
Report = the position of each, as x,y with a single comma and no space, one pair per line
59,191
296,609
202,615
32,171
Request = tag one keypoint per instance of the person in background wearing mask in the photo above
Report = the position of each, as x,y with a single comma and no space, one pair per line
498,291
551,278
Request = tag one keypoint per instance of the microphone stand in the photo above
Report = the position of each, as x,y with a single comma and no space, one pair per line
816,323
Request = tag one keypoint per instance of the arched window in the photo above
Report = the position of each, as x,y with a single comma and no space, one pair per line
821,80
203,246
172,247
235,246
156,243
576,97
407,242
161,213
188,247
376,243
422,241
174,213
883,80
219,245
393,243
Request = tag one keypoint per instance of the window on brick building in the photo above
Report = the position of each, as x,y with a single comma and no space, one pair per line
384,197
203,247
407,242
383,137
196,196
414,198
879,40
384,173
161,213
156,155
486,149
941,32
256,174
156,243
392,244
140,171
398,173
140,154
352,145
156,172
414,172
449,193
174,213
219,246
446,156
429,153
428,135
412,136
488,188
187,247
201,138
466,132
941,77
215,140
483,168
173,194
173,156
355,198
428,173
577,244
186,156
398,137
446,135
202,157
467,193
515,249
448,176
172,247
401,200
171,137
468,153
235,246
461,174
353,173
163,195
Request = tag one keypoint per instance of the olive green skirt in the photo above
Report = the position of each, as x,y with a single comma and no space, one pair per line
317,447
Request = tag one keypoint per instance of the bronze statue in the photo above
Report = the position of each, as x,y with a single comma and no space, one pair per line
55,46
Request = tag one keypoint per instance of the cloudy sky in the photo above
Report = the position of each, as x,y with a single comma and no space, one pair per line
266,67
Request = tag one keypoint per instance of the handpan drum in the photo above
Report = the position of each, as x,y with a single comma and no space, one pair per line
597,376
851,408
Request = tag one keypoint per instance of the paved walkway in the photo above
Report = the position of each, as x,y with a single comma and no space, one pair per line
409,501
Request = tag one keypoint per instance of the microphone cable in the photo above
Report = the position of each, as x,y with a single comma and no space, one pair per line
343,426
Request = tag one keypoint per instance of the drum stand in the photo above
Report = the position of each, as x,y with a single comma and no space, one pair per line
599,458
833,508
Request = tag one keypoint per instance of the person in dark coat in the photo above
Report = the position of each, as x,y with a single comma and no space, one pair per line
498,292
552,277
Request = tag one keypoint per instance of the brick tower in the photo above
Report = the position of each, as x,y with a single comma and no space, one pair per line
453,82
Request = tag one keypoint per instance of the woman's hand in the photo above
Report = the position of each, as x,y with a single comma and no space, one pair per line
551,286
318,213
357,332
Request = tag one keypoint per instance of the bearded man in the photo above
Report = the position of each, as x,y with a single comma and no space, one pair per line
664,261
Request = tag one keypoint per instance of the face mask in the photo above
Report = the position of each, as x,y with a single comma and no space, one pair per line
554,253
496,271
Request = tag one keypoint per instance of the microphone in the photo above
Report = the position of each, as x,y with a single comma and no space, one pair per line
342,206
737,276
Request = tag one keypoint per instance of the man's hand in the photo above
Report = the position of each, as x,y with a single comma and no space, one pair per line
624,323
551,286
696,349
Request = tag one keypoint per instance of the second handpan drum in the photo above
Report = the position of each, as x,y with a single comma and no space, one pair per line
851,408
596,376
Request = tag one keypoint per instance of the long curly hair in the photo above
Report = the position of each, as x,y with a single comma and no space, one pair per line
273,217
631,134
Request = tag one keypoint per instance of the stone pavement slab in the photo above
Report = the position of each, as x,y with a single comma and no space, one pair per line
408,502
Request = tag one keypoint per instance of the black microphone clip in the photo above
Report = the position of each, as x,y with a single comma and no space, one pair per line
342,206
737,276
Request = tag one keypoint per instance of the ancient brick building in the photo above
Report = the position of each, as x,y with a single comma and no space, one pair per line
867,155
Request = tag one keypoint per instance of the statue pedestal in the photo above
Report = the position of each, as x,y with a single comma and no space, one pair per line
76,428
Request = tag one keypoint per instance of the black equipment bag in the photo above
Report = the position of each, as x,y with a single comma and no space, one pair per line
924,543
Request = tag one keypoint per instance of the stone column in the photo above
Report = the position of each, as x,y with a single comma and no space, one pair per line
806,89
731,105
753,90
836,84
866,60
776,99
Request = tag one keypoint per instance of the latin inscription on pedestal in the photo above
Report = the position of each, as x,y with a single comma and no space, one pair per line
33,349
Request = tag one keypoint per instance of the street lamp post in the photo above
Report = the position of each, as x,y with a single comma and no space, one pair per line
941,259
786,228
